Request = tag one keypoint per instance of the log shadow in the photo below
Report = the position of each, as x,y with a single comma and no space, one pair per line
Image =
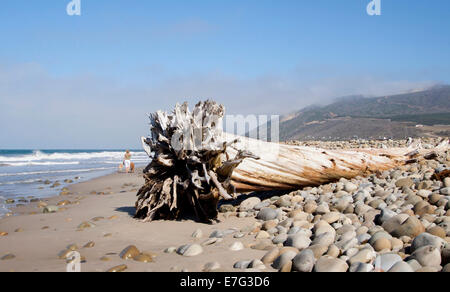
127,209
262,195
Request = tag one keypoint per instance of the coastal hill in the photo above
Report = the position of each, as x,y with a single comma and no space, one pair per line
413,114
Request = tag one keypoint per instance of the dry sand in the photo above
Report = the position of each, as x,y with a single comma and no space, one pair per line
43,236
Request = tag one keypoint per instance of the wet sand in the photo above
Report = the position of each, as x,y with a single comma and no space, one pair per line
36,239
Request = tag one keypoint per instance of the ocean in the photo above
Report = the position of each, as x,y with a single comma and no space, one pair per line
23,172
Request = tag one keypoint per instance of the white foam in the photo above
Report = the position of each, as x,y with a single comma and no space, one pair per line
40,156
55,171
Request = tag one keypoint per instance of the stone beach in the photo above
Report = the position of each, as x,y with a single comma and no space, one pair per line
391,221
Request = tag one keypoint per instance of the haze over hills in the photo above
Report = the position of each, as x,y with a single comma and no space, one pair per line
414,114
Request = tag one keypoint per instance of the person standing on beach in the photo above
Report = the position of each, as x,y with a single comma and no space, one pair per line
127,161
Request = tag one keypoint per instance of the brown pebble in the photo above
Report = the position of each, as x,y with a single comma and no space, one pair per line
437,231
18,230
98,218
129,252
45,227
382,244
143,258
90,244
105,259
8,257
3,233
107,235
63,203
117,269
113,217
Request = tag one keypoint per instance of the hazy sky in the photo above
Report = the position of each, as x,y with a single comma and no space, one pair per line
88,81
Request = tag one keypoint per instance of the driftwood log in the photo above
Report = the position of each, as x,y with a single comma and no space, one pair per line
195,164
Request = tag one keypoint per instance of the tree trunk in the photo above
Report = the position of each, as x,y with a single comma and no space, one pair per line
195,164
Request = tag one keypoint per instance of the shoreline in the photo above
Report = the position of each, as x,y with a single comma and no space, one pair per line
35,240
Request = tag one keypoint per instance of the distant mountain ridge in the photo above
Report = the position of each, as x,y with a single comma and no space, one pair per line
392,116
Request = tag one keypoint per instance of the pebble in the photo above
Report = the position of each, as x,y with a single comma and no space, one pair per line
401,267
427,256
3,233
85,225
363,256
282,259
330,264
197,233
271,255
50,209
170,249
386,261
236,246
212,266
299,241
304,261
266,214
249,203
382,244
129,252
241,264
360,268
425,239
144,258
216,234
190,250
8,257
117,269
90,244
331,217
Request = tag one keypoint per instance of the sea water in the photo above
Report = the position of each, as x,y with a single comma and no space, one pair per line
23,172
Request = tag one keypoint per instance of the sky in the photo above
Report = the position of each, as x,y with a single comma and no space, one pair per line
89,81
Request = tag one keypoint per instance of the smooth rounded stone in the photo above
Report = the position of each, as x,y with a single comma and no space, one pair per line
90,244
330,264
396,244
411,227
350,187
236,246
427,256
404,182
283,202
197,233
7,257
437,231
212,266
262,244
242,264
257,264
129,252
271,255
378,235
362,230
363,256
363,238
414,265
280,238
323,227
300,241
144,258
170,249
447,182
385,215
351,252
298,215
333,251
446,268
266,214
217,234
227,208
190,250
269,224
85,225
401,267
310,207
322,209
304,261
117,269
238,235
286,223
50,209
262,235
3,233
261,205
348,235
325,239
445,191
345,245
386,261
382,244
282,259
331,217
360,268
425,239
249,203
446,227
318,250
345,228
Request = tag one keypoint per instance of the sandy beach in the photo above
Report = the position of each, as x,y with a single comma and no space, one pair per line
36,239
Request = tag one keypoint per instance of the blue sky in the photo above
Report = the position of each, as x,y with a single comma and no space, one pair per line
88,81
